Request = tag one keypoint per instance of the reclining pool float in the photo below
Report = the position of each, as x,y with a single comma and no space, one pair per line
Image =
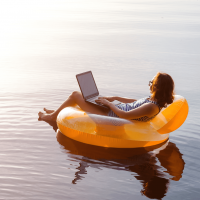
114,132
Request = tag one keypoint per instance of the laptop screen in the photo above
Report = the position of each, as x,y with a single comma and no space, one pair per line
87,84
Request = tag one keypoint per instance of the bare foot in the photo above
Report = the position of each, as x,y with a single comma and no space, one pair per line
48,111
46,117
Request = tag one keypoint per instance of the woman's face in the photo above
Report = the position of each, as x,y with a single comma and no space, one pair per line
150,84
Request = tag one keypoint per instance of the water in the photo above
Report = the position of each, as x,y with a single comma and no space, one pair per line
44,44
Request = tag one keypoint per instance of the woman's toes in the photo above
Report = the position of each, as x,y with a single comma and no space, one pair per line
48,111
40,114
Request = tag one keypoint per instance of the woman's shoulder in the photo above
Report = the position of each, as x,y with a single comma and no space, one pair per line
153,103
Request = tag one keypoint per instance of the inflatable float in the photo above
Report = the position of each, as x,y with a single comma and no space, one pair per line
114,132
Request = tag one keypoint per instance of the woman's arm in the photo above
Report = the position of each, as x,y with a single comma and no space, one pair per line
121,99
147,109
125,100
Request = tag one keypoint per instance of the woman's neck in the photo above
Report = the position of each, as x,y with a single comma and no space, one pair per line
152,99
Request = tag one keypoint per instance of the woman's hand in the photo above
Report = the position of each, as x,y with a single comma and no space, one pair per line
104,100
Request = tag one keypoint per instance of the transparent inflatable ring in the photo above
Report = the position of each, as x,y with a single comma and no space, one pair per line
120,133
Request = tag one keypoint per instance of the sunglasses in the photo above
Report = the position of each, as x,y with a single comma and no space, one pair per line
150,83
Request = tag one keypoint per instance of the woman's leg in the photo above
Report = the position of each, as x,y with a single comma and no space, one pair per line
75,98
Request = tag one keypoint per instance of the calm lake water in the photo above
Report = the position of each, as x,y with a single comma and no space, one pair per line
44,44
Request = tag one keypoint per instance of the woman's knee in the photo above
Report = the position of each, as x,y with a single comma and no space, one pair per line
76,95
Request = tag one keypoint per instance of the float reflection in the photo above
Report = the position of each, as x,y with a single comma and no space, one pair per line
153,166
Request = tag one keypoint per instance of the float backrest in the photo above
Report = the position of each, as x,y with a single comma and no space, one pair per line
172,117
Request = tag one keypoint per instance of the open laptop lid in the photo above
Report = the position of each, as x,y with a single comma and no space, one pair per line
87,85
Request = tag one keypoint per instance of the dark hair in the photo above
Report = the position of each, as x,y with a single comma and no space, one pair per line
162,89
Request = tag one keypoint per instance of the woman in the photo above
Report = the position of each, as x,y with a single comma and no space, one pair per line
161,88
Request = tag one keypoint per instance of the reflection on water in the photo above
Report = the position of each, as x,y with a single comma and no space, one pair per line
153,166
143,162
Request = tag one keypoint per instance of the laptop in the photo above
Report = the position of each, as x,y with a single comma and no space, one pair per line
89,89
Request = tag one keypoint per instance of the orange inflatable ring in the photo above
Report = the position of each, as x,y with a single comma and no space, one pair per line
120,133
